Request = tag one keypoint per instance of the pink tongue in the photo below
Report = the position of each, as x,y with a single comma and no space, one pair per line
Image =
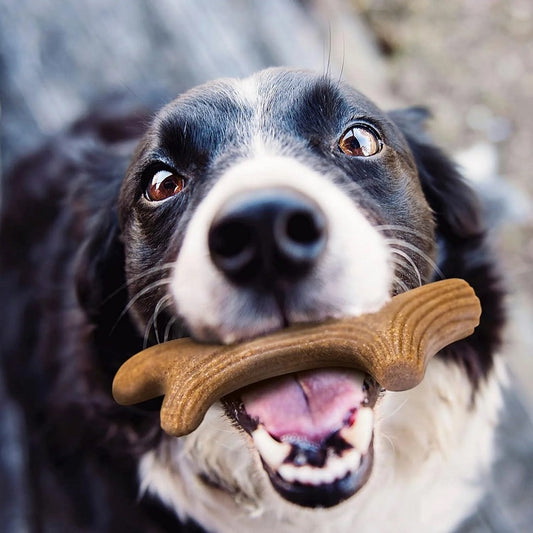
310,405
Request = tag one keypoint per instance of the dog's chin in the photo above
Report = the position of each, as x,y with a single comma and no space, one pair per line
312,431
324,494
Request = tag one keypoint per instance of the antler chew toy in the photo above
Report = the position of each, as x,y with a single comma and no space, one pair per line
393,345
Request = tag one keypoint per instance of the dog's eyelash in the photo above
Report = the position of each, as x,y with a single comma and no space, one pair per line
363,122
151,169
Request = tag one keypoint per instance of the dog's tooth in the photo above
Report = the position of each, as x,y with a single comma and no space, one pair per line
352,459
323,476
335,468
359,434
271,451
288,472
326,476
307,475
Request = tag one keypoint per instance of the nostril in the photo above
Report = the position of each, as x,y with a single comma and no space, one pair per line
303,227
232,245
230,239
301,235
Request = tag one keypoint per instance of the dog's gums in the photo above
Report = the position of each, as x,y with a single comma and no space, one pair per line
392,345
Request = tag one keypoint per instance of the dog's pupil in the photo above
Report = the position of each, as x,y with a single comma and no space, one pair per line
170,184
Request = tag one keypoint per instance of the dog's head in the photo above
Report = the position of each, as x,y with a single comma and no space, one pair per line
252,205
279,199
256,204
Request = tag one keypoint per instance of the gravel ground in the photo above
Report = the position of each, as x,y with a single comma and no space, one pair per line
471,63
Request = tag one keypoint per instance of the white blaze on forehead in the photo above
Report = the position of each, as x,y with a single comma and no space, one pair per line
258,142
353,276
247,89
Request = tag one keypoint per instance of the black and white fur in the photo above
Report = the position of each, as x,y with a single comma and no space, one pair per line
92,271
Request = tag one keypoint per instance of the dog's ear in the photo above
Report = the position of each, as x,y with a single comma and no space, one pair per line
464,252
455,205
102,290
100,277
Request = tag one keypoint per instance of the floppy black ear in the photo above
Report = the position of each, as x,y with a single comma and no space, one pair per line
100,278
462,238
456,207
102,291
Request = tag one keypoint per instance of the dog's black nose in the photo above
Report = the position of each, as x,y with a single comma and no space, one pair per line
264,237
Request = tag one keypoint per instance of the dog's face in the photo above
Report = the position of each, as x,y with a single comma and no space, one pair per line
252,205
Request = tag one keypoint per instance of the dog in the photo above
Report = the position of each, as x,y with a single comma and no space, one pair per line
240,208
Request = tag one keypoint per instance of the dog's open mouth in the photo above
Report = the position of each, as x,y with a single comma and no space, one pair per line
313,431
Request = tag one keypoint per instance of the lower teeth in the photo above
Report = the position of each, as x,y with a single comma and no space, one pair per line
274,453
335,468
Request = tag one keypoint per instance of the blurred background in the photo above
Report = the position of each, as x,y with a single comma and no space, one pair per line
469,61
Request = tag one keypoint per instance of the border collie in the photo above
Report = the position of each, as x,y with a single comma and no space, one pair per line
240,208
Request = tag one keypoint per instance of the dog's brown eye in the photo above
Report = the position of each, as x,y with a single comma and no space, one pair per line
360,141
164,184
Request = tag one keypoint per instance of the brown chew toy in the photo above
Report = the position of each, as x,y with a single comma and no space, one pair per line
393,345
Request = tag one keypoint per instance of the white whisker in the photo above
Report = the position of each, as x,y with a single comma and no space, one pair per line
147,272
140,294
147,329
401,284
406,256
404,229
401,265
170,323
390,441
418,251
394,413
163,303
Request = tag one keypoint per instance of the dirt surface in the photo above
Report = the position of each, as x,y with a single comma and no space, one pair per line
471,63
